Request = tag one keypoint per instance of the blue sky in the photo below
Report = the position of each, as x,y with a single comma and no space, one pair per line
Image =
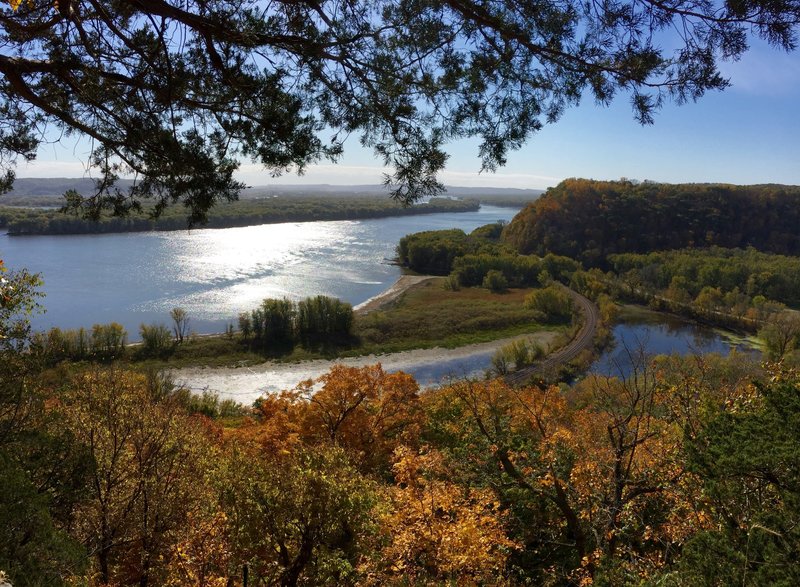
749,133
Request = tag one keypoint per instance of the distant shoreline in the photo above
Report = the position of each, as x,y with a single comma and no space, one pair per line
21,222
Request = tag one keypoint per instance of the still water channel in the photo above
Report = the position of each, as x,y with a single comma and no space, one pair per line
642,333
652,332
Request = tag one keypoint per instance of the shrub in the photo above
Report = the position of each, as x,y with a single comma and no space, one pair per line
552,301
108,340
495,281
245,325
452,283
156,339
519,353
321,317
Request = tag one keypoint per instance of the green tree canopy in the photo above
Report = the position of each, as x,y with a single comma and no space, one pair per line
176,93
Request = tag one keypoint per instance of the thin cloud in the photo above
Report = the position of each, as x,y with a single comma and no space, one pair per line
46,168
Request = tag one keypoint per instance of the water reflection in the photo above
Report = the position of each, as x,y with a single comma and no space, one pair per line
137,278
245,384
650,334
660,334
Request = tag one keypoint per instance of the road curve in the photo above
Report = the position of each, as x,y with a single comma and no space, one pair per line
582,340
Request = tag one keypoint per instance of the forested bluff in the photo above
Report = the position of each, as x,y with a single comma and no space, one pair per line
590,220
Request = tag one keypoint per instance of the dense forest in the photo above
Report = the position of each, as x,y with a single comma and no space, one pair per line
27,221
688,271
590,220
468,258
684,474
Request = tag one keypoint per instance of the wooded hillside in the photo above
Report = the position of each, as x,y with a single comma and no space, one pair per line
589,220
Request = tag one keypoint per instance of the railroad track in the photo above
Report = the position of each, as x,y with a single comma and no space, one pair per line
582,340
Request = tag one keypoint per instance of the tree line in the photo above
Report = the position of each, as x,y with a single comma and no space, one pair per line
432,252
26,221
275,326
281,323
687,271
590,220
468,259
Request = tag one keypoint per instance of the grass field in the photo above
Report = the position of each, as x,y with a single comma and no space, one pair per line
427,315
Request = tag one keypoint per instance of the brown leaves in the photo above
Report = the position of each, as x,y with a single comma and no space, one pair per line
148,457
606,464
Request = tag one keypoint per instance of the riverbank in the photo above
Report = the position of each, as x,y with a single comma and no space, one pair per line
215,275
390,295
429,366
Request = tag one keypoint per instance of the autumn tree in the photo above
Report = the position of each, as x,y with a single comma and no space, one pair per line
747,461
18,293
436,531
780,334
146,458
156,340
598,479
176,93
364,410
180,323
296,516
43,472
202,557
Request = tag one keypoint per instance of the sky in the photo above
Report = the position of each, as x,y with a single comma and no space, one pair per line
746,134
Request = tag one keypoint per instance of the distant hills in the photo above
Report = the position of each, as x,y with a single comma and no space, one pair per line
55,186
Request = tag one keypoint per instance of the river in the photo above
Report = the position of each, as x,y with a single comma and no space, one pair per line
214,274
136,278
429,367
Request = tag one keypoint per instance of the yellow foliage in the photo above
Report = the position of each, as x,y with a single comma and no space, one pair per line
148,456
202,557
438,531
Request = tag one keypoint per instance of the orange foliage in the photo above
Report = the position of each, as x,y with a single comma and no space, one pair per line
438,531
607,469
201,559
366,411
147,459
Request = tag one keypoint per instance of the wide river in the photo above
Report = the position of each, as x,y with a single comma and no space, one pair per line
214,274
